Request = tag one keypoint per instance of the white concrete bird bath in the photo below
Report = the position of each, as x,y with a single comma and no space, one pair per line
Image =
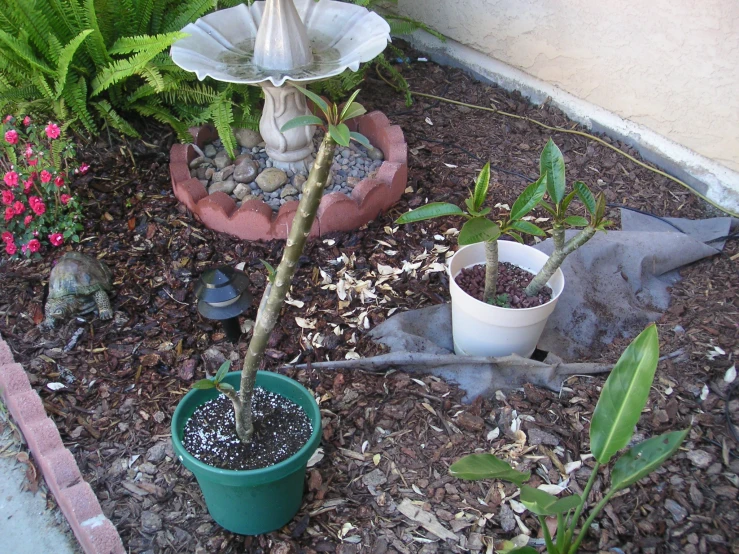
275,43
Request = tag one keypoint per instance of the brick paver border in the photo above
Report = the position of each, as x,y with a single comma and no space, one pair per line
95,533
255,220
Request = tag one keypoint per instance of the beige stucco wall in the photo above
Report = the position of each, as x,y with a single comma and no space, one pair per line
670,65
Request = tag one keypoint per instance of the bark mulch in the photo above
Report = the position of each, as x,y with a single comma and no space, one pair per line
390,437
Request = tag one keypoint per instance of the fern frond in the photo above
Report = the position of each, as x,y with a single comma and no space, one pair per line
158,112
222,113
187,13
33,22
144,43
22,51
65,58
75,94
112,118
119,70
96,47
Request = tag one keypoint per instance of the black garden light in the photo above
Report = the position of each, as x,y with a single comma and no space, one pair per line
222,295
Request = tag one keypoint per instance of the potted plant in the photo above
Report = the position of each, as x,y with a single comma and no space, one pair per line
255,501
499,319
616,414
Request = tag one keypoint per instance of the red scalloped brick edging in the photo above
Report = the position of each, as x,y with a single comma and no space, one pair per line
255,220
95,533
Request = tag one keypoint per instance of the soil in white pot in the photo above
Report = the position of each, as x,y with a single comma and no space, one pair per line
512,281
281,428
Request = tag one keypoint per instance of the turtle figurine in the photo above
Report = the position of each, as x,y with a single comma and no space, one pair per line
78,284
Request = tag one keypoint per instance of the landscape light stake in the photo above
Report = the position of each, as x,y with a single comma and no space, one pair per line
222,295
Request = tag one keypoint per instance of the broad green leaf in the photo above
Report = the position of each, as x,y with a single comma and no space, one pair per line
644,458
600,207
481,187
566,201
576,221
270,270
518,238
361,139
552,164
355,110
542,503
301,121
204,384
340,133
478,229
523,550
624,396
221,373
486,466
528,228
225,386
548,207
529,198
317,100
430,211
348,104
585,196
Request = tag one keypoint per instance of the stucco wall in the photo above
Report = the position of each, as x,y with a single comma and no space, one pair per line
672,66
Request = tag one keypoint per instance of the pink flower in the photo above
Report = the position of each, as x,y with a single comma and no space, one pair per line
52,131
27,186
39,208
34,245
33,162
56,239
8,197
11,179
11,136
19,208
28,220
65,198
9,213
33,200
26,121
45,176
28,151
7,236
84,168
59,181
11,248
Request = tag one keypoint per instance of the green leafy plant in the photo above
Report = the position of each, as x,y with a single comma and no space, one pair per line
94,63
37,164
280,279
617,412
479,228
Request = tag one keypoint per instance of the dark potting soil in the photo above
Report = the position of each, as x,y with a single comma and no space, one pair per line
281,428
512,281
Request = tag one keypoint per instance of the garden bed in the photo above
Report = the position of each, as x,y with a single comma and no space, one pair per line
386,437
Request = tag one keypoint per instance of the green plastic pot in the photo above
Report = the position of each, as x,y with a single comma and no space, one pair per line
251,502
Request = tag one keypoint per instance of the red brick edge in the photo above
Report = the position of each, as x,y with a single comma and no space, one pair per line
95,533
255,220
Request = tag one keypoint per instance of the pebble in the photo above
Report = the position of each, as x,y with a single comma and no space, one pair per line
210,151
298,181
224,174
271,179
245,172
223,186
222,159
156,453
375,154
242,191
288,190
247,138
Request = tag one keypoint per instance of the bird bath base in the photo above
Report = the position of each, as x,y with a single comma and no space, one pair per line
255,220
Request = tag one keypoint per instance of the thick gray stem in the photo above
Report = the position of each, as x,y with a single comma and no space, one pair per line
306,213
491,271
557,257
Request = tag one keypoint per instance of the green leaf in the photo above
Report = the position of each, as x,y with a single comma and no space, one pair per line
481,187
361,139
548,207
644,458
478,229
528,228
518,238
585,196
529,198
566,201
348,104
624,396
65,58
600,207
552,165
486,466
576,221
542,503
301,121
204,384
225,386
317,100
340,133
270,270
355,110
221,373
523,550
429,211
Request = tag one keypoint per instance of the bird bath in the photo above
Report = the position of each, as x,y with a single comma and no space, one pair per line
275,43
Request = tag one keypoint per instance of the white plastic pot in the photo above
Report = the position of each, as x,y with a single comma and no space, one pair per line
480,329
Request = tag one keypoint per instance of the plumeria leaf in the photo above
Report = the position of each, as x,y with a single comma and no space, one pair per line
530,197
644,458
355,110
481,187
585,196
301,121
528,228
204,384
478,229
518,238
270,270
360,138
340,133
486,466
576,221
430,211
221,373
544,504
566,202
552,167
225,386
348,105
317,100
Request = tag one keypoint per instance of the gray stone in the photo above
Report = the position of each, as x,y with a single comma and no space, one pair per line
209,172
374,478
148,468
288,199
222,159
375,154
245,172
150,522
271,179
210,150
240,158
700,458
507,519
241,191
227,186
537,436
288,190
352,182
156,453
200,160
201,172
247,138
224,173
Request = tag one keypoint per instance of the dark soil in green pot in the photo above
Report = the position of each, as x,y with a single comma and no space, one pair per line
251,501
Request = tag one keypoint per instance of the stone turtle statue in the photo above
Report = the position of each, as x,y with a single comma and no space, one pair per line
78,284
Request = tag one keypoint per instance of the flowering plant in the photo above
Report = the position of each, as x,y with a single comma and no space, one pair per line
38,207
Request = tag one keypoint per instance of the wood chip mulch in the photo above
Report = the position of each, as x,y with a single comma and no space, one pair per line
388,438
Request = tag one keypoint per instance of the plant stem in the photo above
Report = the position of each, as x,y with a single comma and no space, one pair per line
306,213
491,271
551,549
556,259
578,511
593,513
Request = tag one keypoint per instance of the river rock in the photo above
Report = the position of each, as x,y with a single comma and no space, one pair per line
246,171
223,174
352,182
375,154
223,186
298,181
200,160
271,179
247,138
288,190
242,191
210,150
222,159
241,157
